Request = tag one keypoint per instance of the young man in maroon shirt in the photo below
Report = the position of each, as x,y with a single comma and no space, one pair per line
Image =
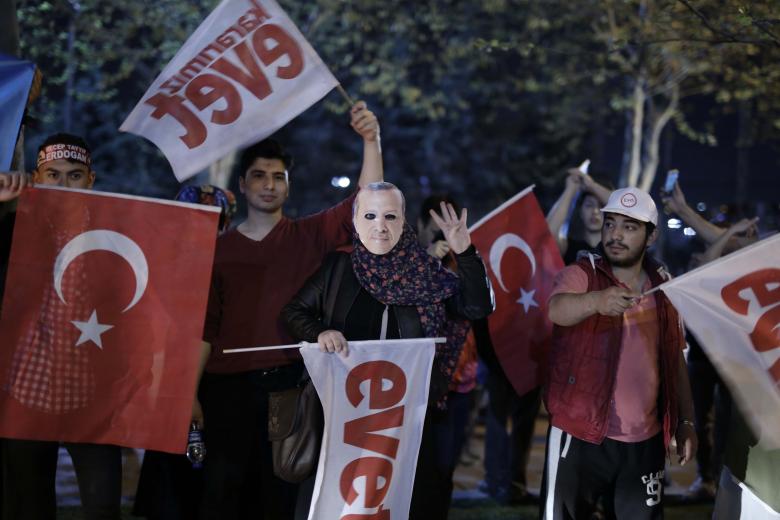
258,268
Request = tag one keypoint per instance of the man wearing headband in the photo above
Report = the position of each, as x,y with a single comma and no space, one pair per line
30,466
64,160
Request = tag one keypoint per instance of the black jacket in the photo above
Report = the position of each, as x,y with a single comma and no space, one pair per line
324,301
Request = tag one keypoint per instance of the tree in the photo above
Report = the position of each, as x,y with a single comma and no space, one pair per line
97,58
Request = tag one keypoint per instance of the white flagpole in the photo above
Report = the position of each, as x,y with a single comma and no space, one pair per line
350,343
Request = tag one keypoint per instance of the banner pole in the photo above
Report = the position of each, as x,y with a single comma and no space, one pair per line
344,94
306,343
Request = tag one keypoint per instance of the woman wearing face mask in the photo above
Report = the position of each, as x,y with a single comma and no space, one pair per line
389,287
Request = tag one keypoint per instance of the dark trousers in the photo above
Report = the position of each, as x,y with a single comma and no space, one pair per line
168,488
442,441
238,473
627,475
707,389
29,474
506,453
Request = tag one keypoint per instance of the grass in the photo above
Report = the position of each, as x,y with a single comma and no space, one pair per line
484,509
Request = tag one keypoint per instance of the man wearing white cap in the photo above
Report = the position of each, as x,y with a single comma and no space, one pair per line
617,388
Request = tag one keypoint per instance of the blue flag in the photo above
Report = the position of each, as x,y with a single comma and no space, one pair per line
15,80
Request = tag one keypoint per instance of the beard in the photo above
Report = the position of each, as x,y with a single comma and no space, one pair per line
628,261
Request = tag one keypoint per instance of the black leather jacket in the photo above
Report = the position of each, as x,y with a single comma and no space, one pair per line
324,301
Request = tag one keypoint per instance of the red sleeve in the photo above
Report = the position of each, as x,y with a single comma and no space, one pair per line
334,225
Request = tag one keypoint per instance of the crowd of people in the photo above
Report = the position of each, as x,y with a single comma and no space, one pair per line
619,391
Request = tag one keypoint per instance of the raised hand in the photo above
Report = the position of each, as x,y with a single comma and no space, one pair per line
12,184
455,230
364,122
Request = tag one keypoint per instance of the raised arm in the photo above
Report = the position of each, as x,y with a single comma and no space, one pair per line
715,251
365,123
676,203
590,185
560,210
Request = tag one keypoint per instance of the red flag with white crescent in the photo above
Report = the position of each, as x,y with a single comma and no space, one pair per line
102,317
522,259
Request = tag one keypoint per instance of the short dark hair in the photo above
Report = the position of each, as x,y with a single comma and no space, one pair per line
64,138
266,149
433,202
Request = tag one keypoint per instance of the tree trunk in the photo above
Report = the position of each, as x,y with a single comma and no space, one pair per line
9,28
637,124
654,143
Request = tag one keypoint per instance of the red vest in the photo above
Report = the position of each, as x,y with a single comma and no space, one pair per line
584,357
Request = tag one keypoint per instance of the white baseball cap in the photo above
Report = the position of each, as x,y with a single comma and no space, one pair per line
634,203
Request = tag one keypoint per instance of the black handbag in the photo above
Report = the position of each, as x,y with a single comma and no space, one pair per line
295,427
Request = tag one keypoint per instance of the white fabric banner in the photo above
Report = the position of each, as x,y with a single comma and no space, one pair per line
243,74
374,402
732,306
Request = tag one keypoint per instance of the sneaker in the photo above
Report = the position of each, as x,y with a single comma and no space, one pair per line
701,490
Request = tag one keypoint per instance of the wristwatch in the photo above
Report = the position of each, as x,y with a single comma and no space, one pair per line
688,422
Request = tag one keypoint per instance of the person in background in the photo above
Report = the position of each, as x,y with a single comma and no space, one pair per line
593,196
449,424
168,483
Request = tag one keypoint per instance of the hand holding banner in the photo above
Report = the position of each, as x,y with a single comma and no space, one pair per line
374,402
243,74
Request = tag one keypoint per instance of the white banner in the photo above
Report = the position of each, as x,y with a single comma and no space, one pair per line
243,74
733,307
374,402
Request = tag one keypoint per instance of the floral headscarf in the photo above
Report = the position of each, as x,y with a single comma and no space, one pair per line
408,275
211,196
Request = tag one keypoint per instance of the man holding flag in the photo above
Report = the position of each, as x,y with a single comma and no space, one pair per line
30,465
617,390
258,267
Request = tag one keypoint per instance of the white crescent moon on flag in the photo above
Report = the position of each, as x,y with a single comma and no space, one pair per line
104,240
500,246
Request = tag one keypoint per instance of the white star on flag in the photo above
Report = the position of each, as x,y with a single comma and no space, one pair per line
91,330
527,299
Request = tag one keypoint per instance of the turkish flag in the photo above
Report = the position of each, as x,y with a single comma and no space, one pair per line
732,306
523,260
102,318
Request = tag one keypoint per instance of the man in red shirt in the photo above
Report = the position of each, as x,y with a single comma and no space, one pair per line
258,268
64,160
618,388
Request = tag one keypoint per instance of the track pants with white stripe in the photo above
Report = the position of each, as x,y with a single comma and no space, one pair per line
627,476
